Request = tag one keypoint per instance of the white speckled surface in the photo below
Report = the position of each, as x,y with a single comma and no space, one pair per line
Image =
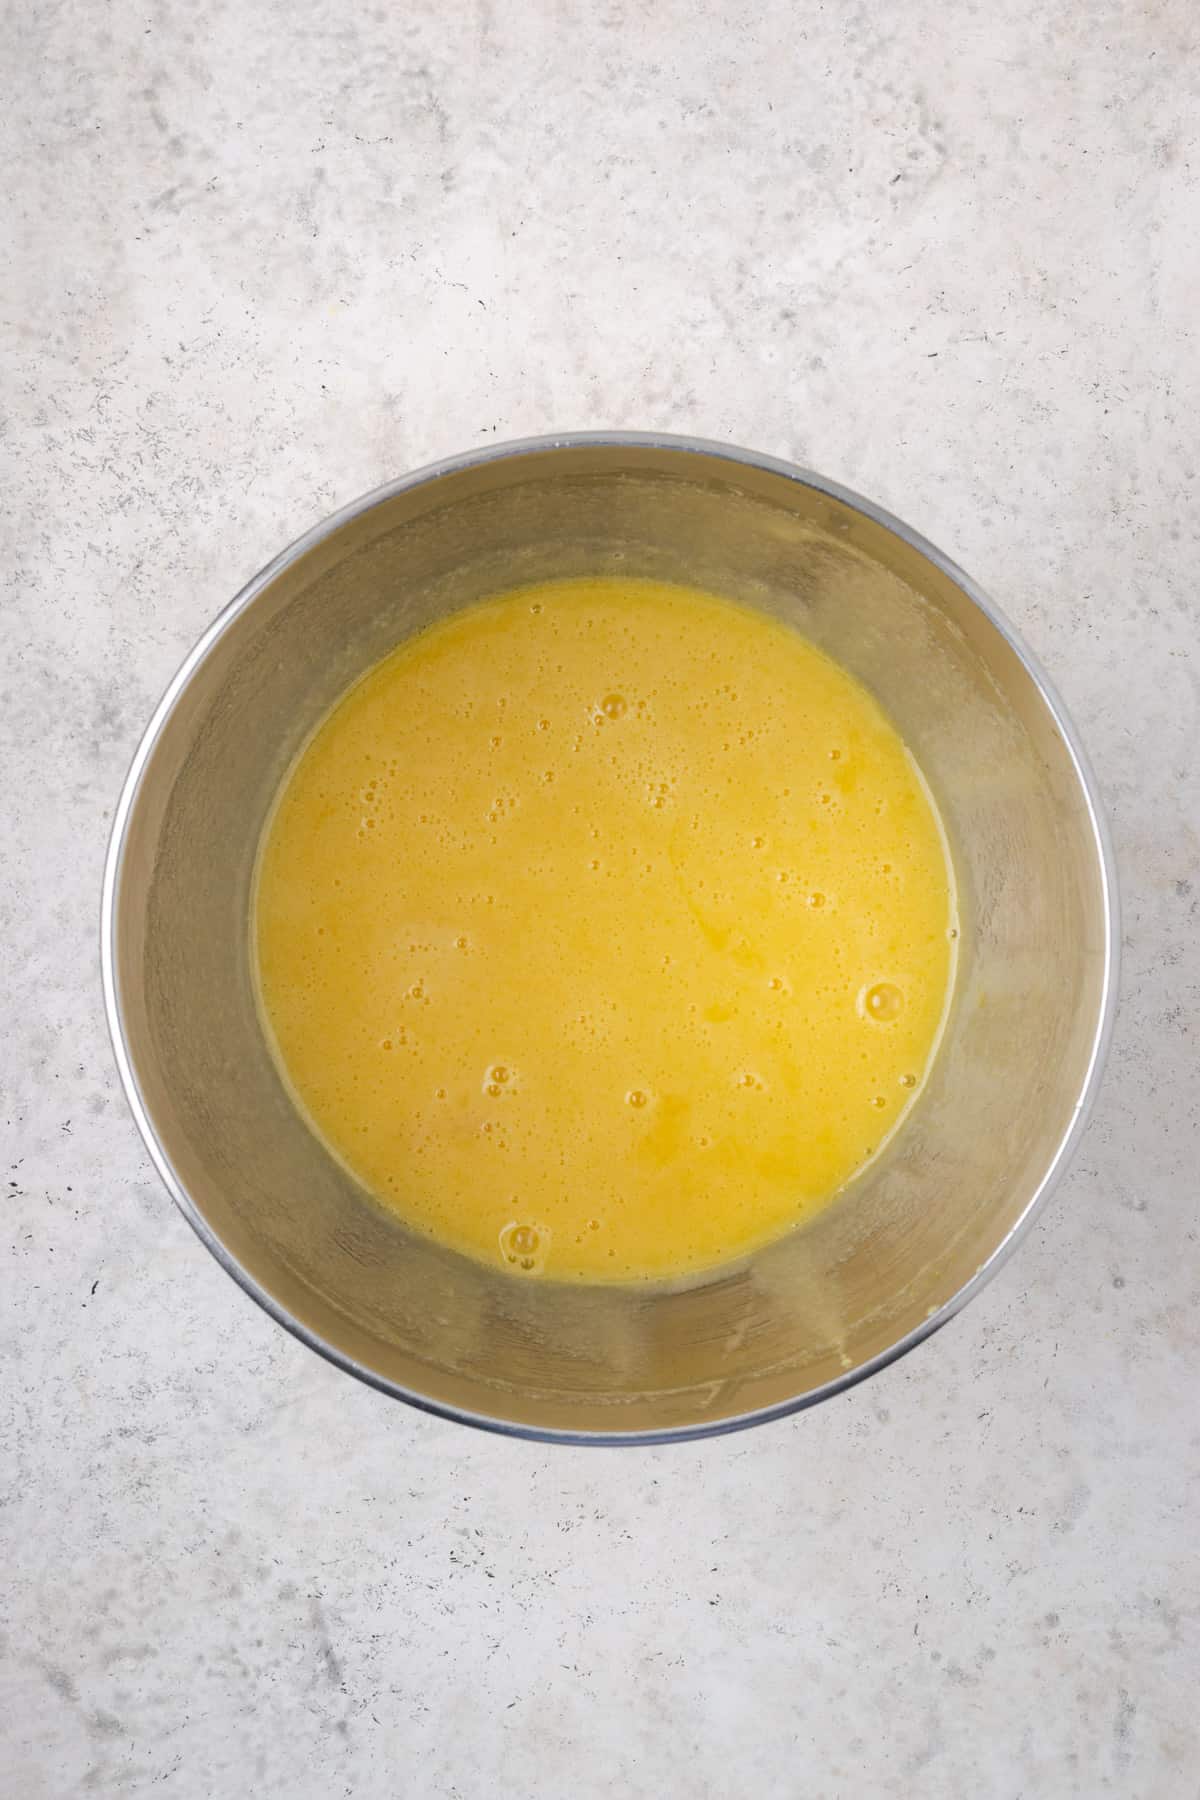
261,257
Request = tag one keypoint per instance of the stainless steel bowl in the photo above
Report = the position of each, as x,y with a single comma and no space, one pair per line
919,1232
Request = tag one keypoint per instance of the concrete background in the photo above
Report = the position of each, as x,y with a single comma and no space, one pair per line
260,257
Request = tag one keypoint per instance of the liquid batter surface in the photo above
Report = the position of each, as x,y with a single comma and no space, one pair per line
605,930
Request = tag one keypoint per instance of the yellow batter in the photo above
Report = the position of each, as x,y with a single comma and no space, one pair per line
605,930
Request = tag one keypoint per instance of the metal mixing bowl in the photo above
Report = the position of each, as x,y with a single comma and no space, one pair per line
922,1228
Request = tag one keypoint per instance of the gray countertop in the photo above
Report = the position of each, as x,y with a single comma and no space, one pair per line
261,257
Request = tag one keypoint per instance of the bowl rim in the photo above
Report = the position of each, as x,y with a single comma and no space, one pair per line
618,440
